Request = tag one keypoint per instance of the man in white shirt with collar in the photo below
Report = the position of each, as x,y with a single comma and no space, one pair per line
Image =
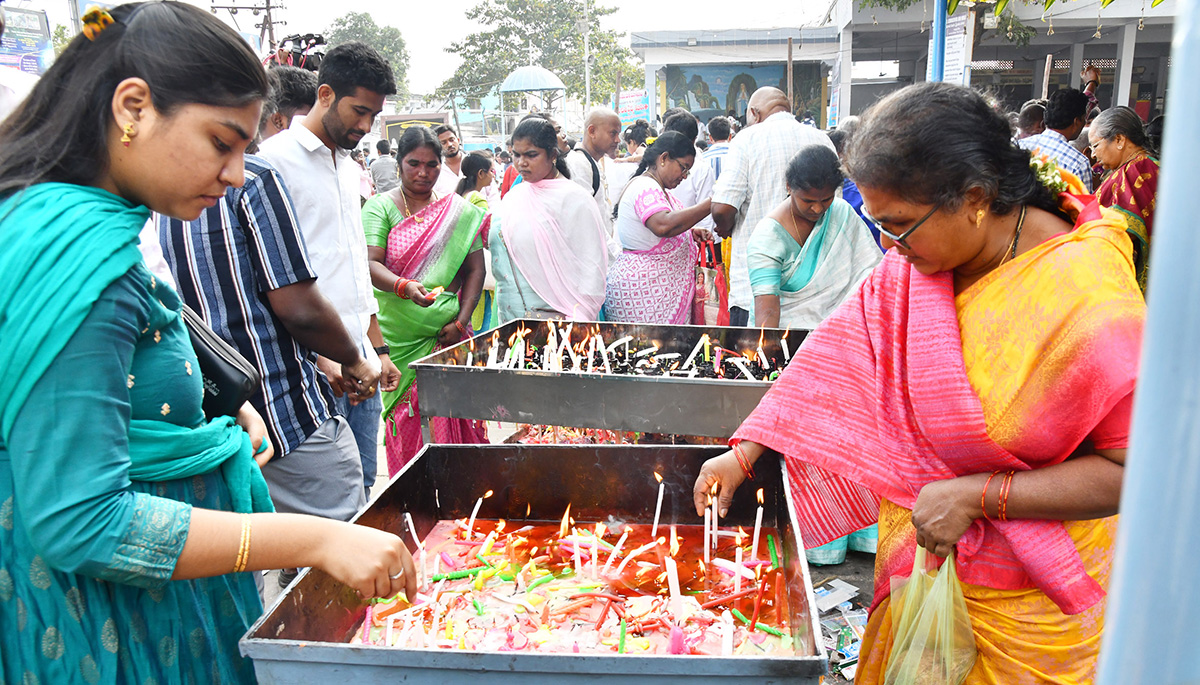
752,183
452,157
313,156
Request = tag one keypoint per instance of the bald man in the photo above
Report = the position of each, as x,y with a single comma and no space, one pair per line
587,162
752,184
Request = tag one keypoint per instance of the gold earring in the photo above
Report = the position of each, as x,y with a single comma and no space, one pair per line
979,218
128,137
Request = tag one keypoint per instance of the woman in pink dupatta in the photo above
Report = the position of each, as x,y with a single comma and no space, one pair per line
417,243
552,251
974,395
654,279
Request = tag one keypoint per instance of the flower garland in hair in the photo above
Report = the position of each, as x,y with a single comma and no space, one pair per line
1050,174
96,20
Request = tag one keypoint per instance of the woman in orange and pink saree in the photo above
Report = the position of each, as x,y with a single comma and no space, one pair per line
974,395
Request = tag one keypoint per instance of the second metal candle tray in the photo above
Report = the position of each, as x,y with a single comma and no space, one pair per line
711,407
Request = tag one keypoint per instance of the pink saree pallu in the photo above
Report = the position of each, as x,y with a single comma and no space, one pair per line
654,286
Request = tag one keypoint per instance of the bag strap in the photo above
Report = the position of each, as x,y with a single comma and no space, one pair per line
595,170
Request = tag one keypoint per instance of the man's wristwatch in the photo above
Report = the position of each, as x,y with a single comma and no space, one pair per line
383,349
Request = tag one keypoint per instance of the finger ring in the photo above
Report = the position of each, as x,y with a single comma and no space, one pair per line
398,576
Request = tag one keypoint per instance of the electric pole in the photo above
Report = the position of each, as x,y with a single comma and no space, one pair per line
267,27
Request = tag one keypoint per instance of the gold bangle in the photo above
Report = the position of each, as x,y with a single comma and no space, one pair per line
243,556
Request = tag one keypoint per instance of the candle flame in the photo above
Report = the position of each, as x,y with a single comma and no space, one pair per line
761,333
487,494
513,338
760,497
471,344
500,526
758,573
562,529
713,490
785,335
703,569
674,542
600,530
657,477
740,534
528,508
661,540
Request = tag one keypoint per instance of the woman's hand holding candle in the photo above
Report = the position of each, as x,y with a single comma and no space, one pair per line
725,471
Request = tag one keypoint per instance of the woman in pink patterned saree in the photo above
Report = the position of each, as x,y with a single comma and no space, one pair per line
426,258
654,279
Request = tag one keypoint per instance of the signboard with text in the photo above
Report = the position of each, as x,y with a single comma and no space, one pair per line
634,105
26,42
393,125
959,37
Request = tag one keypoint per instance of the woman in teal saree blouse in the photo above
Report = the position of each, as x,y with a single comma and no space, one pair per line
128,521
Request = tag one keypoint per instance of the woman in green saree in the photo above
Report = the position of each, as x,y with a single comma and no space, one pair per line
427,266
128,521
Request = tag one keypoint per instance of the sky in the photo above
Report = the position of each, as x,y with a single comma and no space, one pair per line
428,28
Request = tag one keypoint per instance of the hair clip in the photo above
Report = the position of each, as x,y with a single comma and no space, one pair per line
650,140
95,21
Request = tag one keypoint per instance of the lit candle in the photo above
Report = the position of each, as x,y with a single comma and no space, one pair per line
470,358
673,585
591,353
737,559
762,359
616,551
787,352
492,355
757,527
657,507
716,514
474,513
707,528
604,351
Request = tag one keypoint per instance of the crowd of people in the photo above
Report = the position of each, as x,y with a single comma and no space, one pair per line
966,388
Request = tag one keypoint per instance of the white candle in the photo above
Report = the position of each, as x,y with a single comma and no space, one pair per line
492,355
620,341
695,350
474,512
787,352
737,559
762,359
548,352
632,555
707,531
615,552
757,527
604,352
673,584
591,353
470,359
716,515
657,507
391,626
575,552
421,567
741,365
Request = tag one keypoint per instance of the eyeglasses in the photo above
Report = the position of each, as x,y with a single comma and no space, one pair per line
682,168
902,239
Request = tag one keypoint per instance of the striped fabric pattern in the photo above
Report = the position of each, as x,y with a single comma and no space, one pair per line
225,262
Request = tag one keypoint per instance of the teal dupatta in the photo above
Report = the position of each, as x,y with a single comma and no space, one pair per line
61,246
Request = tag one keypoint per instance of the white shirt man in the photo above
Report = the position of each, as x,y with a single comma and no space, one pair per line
752,181
333,231
588,162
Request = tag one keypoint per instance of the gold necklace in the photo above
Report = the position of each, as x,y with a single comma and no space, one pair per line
408,212
795,226
1012,250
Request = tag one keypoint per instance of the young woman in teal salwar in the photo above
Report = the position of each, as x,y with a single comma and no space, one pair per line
128,521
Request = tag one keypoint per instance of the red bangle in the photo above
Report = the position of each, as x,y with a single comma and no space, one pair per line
399,287
743,461
461,329
983,497
1005,487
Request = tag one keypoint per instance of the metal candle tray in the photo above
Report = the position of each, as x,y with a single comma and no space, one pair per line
712,407
302,638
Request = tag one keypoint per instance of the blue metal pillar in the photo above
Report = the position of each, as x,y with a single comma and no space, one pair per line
1152,623
937,55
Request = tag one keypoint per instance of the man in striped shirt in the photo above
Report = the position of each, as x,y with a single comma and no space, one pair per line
243,266
719,134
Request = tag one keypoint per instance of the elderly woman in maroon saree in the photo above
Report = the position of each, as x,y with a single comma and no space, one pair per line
1120,144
